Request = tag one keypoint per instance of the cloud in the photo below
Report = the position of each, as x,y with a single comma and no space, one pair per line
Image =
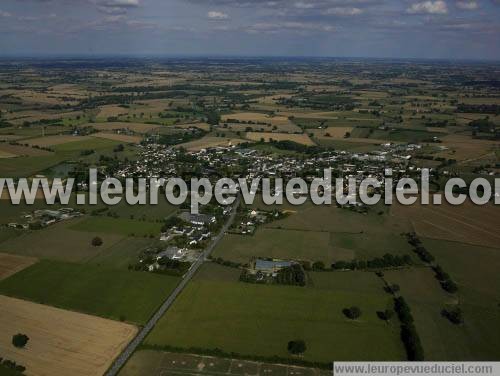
291,26
144,25
115,18
467,5
36,18
340,11
5,14
117,3
115,7
304,5
429,7
112,10
216,15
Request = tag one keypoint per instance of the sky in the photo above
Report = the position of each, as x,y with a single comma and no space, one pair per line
449,29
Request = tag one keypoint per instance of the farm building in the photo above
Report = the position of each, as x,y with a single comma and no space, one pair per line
197,219
271,266
173,253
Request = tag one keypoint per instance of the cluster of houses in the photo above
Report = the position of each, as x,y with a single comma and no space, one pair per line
161,161
170,257
183,241
172,253
44,217
154,160
190,235
248,220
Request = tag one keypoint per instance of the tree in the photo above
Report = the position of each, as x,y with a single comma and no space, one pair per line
454,314
388,314
20,340
392,289
213,117
449,286
296,347
352,312
411,340
97,241
385,315
119,148
318,265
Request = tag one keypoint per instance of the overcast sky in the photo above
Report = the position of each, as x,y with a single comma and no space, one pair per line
357,28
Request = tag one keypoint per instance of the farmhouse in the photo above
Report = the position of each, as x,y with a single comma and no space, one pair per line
271,266
197,219
173,253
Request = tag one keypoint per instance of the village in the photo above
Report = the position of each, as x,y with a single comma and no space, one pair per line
185,235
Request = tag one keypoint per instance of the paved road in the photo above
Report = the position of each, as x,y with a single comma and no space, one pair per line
132,346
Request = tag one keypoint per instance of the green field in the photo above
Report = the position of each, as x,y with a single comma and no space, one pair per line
8,233
476,339
352,146
113,293
332,219
59,242
121,226
145,212
344,119
26,166
475,269
286,244
222,313
97,144
123,253
319,233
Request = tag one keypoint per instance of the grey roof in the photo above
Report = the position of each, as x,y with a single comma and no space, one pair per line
269,265
198,218
169,252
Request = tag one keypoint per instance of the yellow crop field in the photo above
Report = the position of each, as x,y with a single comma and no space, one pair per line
60,342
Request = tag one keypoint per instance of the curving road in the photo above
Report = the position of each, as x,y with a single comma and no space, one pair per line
132,346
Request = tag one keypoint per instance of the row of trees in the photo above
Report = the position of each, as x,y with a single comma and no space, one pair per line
444,278
419,249
409,335
386,261
292,275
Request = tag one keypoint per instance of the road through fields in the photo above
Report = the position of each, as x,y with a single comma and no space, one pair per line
132,346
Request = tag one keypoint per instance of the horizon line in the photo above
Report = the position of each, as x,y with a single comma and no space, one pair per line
91,56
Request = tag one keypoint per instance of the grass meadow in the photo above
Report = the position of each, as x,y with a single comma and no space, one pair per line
113,293
120,226
59,242
319,233
217,311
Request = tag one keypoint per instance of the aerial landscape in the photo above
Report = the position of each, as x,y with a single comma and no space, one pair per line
235,287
